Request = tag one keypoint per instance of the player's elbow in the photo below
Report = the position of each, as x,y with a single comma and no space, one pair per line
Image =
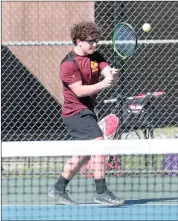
81,90
78,92
79,95
77,89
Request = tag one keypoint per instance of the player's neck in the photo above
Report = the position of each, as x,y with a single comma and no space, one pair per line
79,51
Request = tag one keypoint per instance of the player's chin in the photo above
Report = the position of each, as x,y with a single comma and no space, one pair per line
91,51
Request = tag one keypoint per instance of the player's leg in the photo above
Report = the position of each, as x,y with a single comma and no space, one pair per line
73,165
98,162
75,128
109,125
102,195
83,126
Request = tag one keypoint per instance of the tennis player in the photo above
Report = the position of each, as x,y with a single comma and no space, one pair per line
79,72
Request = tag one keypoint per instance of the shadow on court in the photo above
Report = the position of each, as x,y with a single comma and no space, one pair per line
147,201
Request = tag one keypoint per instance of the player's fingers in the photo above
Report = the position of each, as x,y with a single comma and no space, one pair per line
114,71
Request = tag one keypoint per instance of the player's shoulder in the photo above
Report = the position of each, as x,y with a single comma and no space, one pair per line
68,63
70,57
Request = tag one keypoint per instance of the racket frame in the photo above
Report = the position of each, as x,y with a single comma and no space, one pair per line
113,39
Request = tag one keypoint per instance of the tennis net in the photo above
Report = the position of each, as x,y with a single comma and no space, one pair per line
144,173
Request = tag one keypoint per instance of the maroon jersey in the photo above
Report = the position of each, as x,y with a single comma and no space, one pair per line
76,68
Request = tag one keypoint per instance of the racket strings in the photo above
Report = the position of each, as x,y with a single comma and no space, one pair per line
125,40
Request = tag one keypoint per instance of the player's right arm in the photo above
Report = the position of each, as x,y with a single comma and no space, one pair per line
70,75
88,90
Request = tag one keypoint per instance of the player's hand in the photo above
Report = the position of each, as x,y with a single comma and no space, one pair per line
108,81
115,73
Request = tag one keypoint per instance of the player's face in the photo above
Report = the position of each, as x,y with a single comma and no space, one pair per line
89,45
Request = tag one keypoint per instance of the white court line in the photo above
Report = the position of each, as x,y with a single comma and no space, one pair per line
91,205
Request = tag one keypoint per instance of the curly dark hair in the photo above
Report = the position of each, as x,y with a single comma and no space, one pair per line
83,30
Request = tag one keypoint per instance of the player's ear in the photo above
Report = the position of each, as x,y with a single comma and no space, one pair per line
79,42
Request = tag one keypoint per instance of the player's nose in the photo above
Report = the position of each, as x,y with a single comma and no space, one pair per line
94,44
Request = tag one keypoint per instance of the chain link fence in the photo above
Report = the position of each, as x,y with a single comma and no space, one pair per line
36,36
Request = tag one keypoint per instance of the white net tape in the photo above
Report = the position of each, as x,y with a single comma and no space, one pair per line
114,147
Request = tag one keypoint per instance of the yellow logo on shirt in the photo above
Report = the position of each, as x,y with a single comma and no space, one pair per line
94,66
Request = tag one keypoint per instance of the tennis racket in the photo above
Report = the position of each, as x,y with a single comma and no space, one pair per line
124,40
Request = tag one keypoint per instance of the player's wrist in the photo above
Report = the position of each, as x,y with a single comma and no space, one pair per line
101,85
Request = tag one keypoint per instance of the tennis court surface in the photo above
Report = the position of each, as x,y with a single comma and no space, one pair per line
150,190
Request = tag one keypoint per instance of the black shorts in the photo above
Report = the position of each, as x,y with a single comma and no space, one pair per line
83,126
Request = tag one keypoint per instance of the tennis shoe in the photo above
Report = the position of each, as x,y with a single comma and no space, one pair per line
61,196
107,198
